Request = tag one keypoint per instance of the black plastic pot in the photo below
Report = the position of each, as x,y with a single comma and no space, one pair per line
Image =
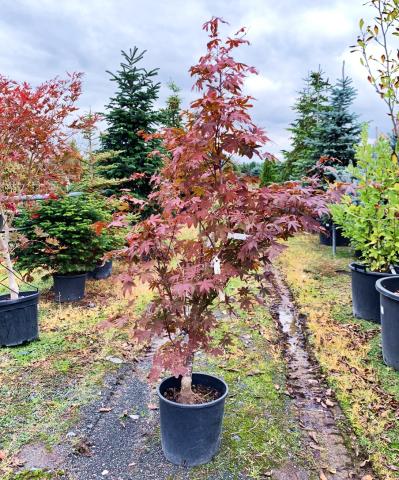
327,238
69,288
389,319
18,318
365,298
190,434
101,272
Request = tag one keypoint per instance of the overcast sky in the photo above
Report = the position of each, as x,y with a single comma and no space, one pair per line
46,38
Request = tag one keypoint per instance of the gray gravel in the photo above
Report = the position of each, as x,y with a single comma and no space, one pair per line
110,444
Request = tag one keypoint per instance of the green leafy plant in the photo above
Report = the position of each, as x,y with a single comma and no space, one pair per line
371,218
66,235
377,45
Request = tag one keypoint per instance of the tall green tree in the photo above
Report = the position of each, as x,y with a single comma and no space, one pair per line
339,128
271,172
312,102
131,111
170,116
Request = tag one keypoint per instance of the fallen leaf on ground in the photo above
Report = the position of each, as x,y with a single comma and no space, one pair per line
152,406
2,455
313,436
367,477
322,476
104,409
316,447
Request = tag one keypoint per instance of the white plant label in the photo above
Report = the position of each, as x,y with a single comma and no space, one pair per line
237,236
216,266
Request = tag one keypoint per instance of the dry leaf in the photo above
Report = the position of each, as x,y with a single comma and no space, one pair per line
152,406
2,455
313,436
322,476
316,447
367,477
104,409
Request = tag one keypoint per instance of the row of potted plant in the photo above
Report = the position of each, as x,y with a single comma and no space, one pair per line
67,237
370,220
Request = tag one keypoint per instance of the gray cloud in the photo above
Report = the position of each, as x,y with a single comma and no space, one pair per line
39,40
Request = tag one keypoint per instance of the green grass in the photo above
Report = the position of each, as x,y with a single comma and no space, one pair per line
348,349
259,432
44,384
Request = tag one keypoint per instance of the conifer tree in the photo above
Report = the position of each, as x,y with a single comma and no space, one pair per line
339,129
271,172
170,116
310,106
129,112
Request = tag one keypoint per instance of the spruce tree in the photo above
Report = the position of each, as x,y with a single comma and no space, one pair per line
270,173
310,106
339,129
170,115
129,112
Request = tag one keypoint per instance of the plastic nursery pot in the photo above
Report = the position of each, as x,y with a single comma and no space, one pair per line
69,288
327,238
365,298
18,319
101,272
389,304
190,434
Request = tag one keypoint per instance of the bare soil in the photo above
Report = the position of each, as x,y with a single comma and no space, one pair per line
201,394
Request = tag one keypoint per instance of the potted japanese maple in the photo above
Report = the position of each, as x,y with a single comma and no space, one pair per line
371,221
237,230
34,134
68,237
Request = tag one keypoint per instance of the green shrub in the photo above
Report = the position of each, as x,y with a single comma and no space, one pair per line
66,235
371,219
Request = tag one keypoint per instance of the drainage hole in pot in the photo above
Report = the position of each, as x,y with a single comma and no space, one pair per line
202,394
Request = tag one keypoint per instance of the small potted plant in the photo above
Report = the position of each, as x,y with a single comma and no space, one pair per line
237,230
371,221
34,134
66,236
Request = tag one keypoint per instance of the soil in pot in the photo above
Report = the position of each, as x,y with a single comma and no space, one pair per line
190,434
365,298
69,288
388,289
19,319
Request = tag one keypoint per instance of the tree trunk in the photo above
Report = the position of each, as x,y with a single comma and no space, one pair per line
5,250
186,393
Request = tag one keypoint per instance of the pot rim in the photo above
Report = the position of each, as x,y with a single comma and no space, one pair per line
383,290
23,296
197,405
72,275
363,269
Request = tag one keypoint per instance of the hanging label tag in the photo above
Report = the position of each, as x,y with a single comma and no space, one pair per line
237,236
216,266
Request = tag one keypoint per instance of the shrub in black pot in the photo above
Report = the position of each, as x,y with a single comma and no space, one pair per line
371,222
67,237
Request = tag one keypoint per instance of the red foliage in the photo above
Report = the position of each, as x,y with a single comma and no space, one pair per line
35,127
198,187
